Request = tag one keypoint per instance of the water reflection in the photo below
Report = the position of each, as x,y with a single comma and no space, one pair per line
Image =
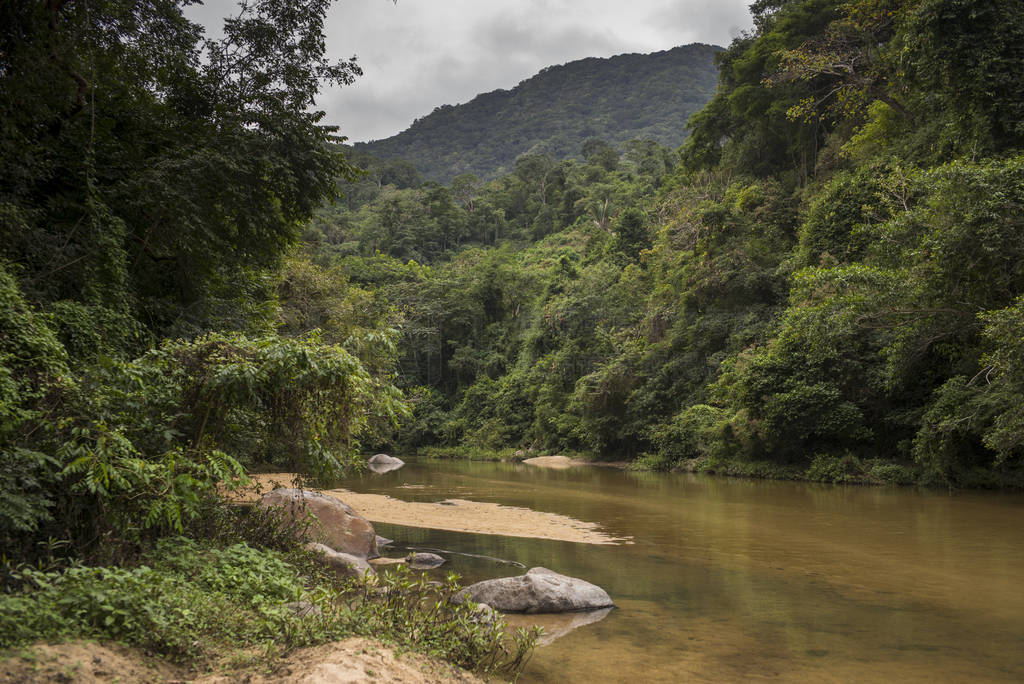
557,626
737,579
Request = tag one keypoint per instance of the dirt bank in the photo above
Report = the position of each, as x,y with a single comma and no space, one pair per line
459,515
352,660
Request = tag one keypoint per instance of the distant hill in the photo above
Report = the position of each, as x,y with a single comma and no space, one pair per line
615,99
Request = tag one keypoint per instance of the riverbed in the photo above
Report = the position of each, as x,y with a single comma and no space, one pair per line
725,580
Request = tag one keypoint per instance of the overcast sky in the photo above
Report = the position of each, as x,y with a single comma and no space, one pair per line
420,54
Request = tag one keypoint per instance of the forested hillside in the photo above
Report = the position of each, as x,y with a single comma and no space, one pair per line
824,283
615,99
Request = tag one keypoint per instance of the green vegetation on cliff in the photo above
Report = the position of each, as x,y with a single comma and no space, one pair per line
615,99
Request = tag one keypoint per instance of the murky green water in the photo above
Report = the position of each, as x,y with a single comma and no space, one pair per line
731,580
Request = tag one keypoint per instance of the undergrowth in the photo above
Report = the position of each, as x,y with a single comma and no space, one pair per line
200,602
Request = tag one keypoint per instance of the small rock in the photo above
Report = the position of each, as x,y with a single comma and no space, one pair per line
424,561
383,542
382,463
344,564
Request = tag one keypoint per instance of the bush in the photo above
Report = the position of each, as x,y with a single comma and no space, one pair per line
844,469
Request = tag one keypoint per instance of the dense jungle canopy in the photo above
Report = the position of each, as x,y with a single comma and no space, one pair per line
824,281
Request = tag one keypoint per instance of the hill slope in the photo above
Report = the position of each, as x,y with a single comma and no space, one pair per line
615,99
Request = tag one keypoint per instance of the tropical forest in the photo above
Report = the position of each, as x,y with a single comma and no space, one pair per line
723,347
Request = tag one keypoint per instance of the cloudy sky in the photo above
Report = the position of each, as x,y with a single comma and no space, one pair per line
419,54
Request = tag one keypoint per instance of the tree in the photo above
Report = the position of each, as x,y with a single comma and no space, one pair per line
150,173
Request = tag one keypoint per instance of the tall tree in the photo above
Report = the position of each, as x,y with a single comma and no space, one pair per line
149,173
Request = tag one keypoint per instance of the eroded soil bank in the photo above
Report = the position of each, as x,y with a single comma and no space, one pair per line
341,662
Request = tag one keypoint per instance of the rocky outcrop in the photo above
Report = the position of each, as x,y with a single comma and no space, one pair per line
538,591
336,523
382,463
345,564
424,561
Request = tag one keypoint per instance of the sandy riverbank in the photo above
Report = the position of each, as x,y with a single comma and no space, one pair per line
457,515
563,462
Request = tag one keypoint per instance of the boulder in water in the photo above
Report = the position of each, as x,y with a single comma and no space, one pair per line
382,463
424,561
336,523
538,591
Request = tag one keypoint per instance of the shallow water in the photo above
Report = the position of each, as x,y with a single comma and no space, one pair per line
730,580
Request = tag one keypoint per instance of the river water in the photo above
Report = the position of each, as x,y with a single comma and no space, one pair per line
730,580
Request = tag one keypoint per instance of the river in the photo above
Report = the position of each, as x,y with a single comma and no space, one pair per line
728,580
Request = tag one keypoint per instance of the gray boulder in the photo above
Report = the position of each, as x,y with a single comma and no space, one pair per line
345,564
538,591
424,561
382,463
335,523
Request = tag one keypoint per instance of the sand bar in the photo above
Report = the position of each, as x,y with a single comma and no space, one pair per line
563,462
456,515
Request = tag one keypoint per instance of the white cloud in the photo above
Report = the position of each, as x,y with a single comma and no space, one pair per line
419,54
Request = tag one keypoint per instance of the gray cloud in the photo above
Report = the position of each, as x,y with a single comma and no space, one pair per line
420,54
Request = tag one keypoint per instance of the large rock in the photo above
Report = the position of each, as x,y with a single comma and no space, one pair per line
345,564
382,463
336,524
538,591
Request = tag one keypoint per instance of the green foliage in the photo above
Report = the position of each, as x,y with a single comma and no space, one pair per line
746,128
984,410
143,445
193,601
151,177
34,375
163,425
962,56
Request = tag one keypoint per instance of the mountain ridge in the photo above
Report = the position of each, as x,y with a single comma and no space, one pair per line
627,96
